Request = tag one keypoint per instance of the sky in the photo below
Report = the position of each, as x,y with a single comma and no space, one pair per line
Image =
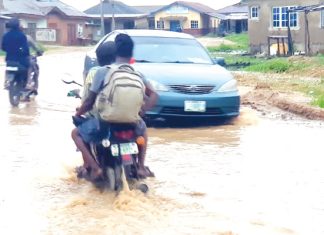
85,4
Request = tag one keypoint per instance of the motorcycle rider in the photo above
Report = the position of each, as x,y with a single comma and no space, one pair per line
106,54
81,136
15,44
33,45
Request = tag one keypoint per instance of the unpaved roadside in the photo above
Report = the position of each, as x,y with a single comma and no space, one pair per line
255,91
258,94
214,41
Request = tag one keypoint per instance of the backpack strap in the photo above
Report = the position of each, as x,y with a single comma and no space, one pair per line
115,67
111,69
127,67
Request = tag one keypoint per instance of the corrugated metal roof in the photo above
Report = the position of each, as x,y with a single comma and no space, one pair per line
45,5
21,7
196,6
147,9
109,8
191,5
236,8
118,15
218,15
237,16
39,7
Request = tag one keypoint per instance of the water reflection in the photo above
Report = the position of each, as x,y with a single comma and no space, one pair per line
251,176
26,114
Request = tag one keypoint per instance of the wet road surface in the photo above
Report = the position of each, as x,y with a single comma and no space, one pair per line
257,175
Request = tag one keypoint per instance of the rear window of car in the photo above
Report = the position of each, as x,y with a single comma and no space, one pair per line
170,50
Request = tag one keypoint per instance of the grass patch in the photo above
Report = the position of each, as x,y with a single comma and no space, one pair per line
240,43
320,59
273,65
318,94
241,39
319,101
223,48
298,66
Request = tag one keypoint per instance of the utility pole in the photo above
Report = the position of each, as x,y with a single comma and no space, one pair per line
113,15
102,18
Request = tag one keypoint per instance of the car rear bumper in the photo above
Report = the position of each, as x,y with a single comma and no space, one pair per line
219,105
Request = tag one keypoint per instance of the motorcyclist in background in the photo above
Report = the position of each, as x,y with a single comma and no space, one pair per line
15,44
33,63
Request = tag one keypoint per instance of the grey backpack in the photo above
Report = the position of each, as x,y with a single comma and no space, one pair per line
122,96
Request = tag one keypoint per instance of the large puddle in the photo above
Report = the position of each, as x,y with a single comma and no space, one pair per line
254,176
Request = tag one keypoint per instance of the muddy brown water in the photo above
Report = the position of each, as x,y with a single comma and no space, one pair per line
257,175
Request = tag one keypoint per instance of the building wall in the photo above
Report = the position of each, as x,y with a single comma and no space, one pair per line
40,23
142,23
261,28
185,17
67,29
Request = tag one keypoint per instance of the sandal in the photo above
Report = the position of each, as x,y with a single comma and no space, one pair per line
146,172
82,172
96,175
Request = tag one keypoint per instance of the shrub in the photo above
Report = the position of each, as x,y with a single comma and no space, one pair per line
275,66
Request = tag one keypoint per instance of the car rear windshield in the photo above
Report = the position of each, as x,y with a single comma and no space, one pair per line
169,50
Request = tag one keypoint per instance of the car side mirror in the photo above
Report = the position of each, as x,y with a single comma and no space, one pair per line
219,60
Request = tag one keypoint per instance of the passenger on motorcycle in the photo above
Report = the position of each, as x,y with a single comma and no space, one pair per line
34,46
15,44
106,55
124,52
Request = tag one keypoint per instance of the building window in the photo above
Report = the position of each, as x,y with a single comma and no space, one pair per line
31,25
160,24
280,17
194,24
254,13
322,18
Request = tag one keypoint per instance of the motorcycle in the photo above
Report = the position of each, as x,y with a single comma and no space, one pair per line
14,82
116,153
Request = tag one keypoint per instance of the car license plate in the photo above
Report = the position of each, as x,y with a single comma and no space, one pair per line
194,106
125,148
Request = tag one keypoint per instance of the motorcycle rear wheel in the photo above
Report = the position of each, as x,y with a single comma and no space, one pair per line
115,182
14,94
111,178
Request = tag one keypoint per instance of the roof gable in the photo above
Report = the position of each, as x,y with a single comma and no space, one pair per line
64,8
39,7
236,8
195,6
147,9
109,8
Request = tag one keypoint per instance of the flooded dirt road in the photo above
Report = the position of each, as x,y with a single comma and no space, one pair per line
258,175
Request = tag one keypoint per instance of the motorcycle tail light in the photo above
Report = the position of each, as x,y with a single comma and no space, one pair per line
140,140
124,135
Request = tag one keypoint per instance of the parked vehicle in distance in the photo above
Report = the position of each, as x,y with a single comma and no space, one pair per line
188,81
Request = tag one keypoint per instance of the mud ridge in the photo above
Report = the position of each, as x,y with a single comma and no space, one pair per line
263,99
